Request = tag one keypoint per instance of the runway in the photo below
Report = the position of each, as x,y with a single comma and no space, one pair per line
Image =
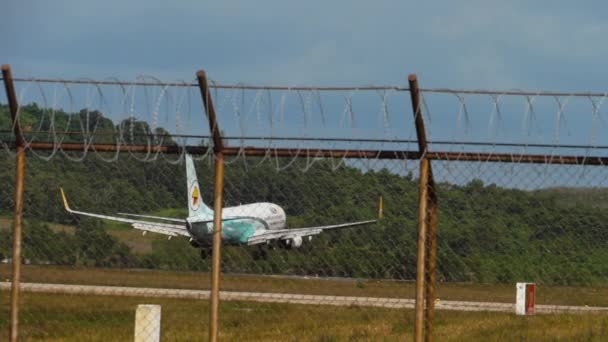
287,298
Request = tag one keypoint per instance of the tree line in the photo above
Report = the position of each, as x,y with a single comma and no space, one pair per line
486,233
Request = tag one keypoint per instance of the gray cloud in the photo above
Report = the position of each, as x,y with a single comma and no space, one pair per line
465,44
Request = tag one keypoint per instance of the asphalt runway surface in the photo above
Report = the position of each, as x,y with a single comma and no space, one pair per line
287,298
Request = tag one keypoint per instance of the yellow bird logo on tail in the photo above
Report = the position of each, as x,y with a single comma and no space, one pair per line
195,196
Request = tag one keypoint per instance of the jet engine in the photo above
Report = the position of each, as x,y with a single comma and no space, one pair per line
194,244
295,242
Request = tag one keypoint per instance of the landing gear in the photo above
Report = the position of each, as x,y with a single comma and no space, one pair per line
206,253
260,253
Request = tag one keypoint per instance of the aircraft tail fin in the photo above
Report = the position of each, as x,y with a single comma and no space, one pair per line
196,207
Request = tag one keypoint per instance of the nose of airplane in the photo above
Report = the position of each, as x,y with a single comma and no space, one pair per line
281,212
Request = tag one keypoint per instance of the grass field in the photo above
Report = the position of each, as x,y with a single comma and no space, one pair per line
95,318
131,237
505,293
92,318
561,295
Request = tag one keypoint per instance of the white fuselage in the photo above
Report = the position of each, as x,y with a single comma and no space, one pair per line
272,214
249,220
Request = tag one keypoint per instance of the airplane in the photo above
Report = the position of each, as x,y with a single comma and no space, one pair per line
258,224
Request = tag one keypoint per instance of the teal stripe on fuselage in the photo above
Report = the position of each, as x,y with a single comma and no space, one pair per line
238,232
234,232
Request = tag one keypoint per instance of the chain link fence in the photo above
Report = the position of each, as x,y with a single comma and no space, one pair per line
314,158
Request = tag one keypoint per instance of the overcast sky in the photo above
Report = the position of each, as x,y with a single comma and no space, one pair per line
557,45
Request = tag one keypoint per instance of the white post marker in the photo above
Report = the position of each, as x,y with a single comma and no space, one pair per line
525,298
147,323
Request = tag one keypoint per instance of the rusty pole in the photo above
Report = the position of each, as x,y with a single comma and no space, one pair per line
417,110
18,216
425,276
214,307
218,147
431,258
420,262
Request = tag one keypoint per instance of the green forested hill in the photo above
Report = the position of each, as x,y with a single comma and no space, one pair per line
486,233
595,197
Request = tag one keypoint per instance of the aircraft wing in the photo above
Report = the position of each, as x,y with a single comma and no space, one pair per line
156,227
286,234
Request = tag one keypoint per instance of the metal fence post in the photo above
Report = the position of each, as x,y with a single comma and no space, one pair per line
421,255
218,148
431,257
427,245
18,215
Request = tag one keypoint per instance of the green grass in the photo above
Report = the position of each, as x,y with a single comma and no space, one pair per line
93,318
123,232
133,238
6,223
562,295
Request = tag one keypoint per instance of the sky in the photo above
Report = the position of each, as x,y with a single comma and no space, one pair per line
550,46
476,44
555,45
